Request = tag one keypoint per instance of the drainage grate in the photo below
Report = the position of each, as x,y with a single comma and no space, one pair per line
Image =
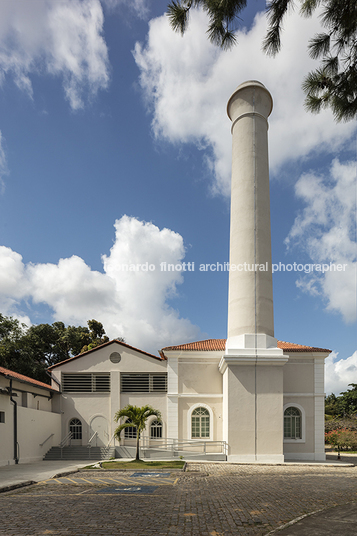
129,489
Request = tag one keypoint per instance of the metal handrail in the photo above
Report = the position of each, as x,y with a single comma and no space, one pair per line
65,439
41,444
181,444
95,435
110,440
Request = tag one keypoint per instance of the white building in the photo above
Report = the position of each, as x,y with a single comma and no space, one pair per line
250,396
187,385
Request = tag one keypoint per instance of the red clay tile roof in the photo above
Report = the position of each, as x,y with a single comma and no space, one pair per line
20,377
209,345
102,346
219,345
292,347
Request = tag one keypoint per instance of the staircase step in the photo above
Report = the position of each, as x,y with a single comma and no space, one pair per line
79,453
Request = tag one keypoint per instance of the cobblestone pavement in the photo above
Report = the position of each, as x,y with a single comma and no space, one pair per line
208,500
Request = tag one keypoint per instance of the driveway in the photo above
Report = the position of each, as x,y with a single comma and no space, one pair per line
210,499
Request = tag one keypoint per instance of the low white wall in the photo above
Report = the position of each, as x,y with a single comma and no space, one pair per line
33,427
6,433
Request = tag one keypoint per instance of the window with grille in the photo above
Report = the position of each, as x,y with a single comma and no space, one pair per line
156,429
292,423
75,426
88,382
200,423
147,382
130,431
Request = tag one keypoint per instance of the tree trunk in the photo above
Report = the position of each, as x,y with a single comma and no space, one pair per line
137,445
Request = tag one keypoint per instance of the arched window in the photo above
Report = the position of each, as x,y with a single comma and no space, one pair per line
292,423
200,423
130,431
75,426
156,429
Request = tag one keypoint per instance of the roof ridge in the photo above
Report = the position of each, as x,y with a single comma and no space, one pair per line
102,346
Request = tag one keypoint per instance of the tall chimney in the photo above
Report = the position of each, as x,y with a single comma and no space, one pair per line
252,365
250,303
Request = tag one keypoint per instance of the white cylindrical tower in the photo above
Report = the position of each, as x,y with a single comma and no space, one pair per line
252,366
250,303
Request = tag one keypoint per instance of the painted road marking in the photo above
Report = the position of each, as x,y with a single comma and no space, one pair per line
155,475
131,489
161,479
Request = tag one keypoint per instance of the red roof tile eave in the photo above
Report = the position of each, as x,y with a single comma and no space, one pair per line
10,374
218,345
102,346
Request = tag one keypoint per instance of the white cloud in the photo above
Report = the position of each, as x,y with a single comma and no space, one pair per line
63,38
133,304
326,230
186,82
339,373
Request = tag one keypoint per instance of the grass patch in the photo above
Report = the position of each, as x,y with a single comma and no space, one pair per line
134,464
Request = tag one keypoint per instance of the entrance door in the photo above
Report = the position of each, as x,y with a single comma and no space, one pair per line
75,426
100,425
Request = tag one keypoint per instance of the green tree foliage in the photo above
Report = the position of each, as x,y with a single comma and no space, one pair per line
222,15
331,405
348,400
334,83
135,418
12,355
344,405
96,334
30,351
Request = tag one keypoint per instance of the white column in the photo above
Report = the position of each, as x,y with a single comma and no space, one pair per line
114,400
319,400
172,398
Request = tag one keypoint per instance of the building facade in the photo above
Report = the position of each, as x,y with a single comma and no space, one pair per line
186,383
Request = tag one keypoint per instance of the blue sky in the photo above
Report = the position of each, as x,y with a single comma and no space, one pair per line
115,150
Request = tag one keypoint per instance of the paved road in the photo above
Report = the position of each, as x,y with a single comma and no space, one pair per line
16,475
209,500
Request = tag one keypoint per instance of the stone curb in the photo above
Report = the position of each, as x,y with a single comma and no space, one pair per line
17,486
283,464
65,473
152,470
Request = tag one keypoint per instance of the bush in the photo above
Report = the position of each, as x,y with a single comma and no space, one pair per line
342,439
336,423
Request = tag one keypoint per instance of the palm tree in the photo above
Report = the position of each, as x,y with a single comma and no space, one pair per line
137,418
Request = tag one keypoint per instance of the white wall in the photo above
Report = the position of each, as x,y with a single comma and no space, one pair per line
33,428
89,406
304,389
33,425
